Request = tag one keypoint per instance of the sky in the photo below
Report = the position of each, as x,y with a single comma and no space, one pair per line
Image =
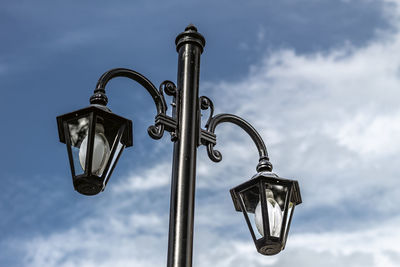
319,80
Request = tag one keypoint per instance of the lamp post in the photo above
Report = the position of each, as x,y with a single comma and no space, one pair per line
95,139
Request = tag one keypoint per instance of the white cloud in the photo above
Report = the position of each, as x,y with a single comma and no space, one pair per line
371,136
378,244
365,247
152,178
329,119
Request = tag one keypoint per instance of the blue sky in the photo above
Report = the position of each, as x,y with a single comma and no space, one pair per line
318,79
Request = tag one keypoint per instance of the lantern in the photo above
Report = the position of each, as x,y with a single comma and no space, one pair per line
95,139
267,202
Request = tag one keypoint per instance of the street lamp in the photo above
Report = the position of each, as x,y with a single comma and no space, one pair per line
95,139
272,200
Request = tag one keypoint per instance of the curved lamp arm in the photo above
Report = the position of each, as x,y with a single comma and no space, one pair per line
216,156
99,96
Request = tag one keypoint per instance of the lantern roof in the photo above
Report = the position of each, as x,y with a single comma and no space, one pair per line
268,178
101,111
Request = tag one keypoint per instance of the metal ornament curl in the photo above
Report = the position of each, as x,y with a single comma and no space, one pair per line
168,87
216,156
206,103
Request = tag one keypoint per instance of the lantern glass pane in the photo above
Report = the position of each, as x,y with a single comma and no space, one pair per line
287,223
78,131
101,150
276,197
251,200
117,153
113,132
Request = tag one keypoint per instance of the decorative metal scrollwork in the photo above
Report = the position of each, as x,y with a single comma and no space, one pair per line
162,121
168,87
216,156
206,103
169,123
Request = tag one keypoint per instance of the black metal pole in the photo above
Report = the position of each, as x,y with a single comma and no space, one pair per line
189,45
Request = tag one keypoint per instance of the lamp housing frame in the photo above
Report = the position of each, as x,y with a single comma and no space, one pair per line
118,133
267,244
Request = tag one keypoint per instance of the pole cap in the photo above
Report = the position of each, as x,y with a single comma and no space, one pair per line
190,35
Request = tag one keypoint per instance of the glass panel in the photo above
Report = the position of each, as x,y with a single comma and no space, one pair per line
275,196
115,157
111,134
101,150
287,223
251,201
78,132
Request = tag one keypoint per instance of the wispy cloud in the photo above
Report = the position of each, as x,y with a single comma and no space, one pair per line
153,178
331,118
375,246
